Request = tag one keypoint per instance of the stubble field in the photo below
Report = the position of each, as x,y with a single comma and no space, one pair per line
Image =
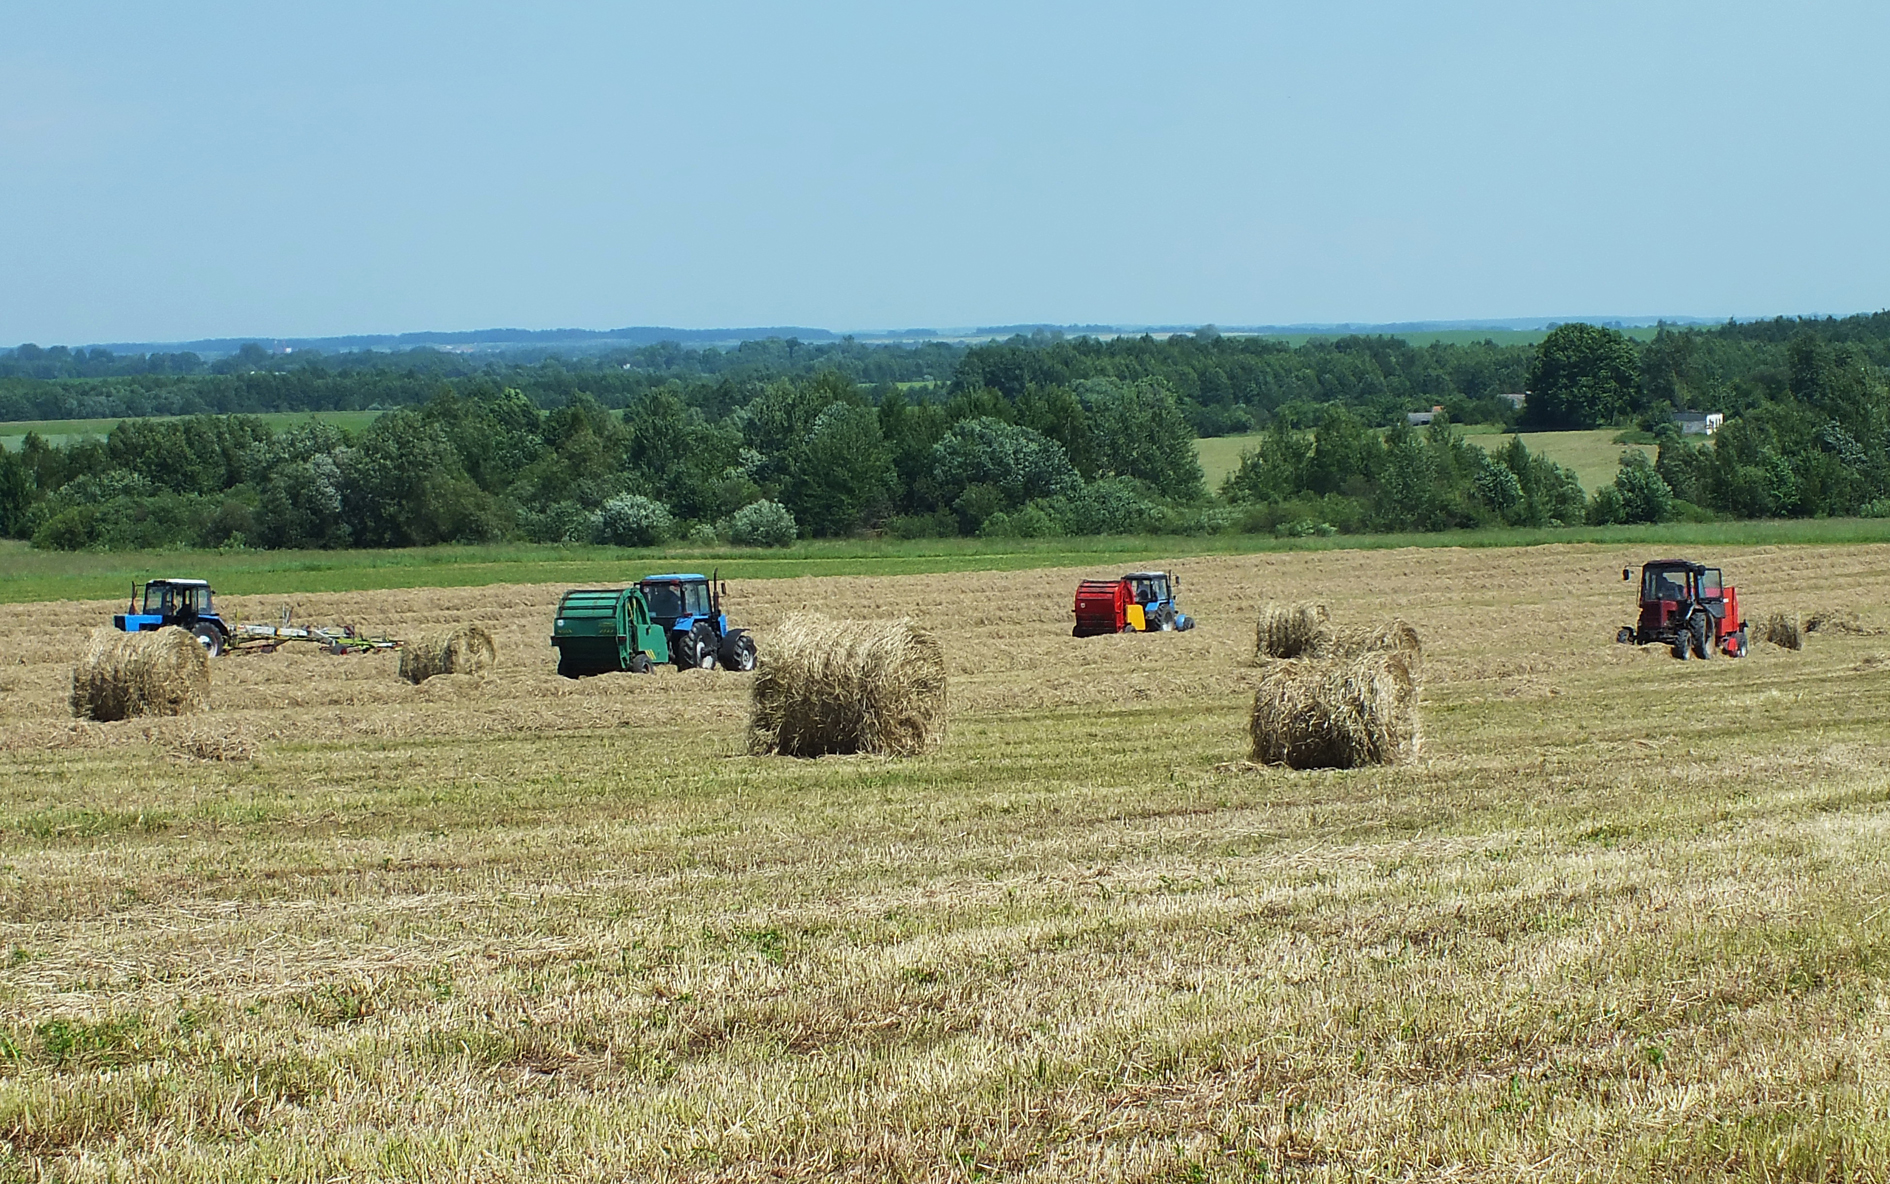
1625,917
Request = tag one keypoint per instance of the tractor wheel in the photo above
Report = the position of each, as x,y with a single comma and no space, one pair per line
705,652
209,638
640,663
1741,635
741,653
1625,636
1682,645
1697,631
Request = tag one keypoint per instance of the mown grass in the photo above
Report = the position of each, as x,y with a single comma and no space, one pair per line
27,575
1624,919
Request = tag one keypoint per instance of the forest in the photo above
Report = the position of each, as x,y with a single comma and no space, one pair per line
1036,435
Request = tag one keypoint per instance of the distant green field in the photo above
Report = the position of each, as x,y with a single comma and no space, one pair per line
28,575
61,431
1455,336
1592,456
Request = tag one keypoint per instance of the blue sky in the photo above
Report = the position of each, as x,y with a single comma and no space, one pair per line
189,170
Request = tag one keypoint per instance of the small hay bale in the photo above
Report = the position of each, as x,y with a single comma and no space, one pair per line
828,686
121,675
463,649
1782,630
1393,637
1291,630
1336,713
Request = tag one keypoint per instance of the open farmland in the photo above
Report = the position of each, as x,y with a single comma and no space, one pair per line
1624,918
1592,456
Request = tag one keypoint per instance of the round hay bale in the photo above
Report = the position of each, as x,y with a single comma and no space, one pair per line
121,675
463,649
1291,630
828,686
1393,637
1782,629
1336,713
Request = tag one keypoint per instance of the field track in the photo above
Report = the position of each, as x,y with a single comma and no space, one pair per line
1625,918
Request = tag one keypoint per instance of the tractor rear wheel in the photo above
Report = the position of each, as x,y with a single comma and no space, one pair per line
1697,631
1625,636
209,637
1682,644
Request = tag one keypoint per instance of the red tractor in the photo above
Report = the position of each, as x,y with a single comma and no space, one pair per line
1687,606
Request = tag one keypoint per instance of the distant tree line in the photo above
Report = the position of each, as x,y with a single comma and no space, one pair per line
1037,435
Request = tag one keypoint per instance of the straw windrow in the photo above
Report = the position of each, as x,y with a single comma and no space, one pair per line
828,686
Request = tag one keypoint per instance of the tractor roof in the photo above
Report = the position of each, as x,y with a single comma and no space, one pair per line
1146,575
1686,563
647,579
183,583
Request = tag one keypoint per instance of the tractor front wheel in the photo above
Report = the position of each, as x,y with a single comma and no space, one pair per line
740,653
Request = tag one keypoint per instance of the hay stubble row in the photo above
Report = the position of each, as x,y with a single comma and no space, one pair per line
1623,917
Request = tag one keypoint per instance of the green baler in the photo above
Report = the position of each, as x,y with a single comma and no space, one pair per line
603,630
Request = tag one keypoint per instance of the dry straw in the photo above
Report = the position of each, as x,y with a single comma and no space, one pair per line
1305,630
121,675
463,649
1336,713
1781,629
828,686
1291,630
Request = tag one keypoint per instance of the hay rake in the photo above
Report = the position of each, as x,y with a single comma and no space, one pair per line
335,639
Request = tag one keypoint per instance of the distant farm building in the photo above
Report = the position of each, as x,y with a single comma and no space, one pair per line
1420,419
1698,423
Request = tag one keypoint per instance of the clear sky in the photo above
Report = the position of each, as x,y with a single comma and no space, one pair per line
180,170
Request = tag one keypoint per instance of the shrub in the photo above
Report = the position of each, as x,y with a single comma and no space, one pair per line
632,520
762,524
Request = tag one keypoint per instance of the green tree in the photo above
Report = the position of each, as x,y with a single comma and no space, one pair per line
842,473
1582,376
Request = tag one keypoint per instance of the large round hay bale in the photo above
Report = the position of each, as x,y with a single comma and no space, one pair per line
121,675
1395,636
828,686
1291,630
1335,713
463,649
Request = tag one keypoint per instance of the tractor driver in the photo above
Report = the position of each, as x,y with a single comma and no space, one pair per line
1667,586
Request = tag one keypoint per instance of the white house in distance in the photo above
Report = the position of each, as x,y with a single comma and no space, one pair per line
1698,423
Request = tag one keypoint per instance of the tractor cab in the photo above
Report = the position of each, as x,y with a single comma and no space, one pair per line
184,603
1688,606
688,607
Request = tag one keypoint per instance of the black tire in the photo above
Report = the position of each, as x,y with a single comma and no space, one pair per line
705,653
209,636
1741,635
1696,630
640,663
1624,637
1682,644
738,652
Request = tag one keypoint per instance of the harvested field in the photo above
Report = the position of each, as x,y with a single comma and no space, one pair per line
516,927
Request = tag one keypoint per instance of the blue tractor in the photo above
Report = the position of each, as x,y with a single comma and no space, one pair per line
689,608
184,603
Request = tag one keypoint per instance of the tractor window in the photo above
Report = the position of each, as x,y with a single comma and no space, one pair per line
1666,584
665,599
1144,591
157,600
696,597
1709,584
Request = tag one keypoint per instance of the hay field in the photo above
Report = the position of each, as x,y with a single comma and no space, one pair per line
1623,918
